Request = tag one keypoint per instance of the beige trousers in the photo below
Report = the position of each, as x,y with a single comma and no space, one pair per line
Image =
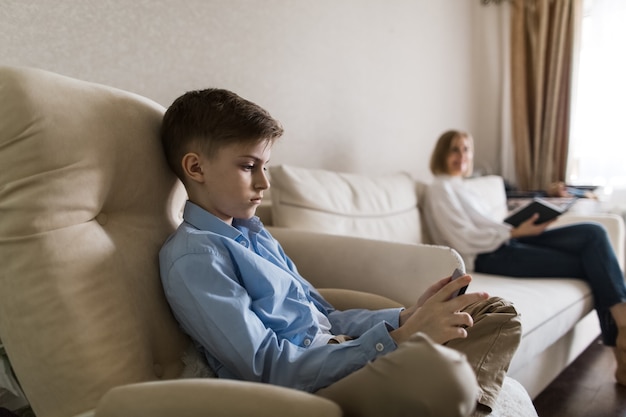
422,378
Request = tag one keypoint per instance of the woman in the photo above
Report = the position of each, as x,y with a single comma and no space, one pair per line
457,218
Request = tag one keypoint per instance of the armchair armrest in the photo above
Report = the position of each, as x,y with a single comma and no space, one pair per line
399,271
343,299
613,224
211,396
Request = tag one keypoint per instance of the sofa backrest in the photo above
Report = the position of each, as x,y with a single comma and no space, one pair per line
86,200
382,207
385,207
493,193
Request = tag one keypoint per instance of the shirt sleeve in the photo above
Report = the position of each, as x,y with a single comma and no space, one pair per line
455,220
358,321
214,309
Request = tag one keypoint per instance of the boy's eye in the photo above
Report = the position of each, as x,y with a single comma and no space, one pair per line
253,166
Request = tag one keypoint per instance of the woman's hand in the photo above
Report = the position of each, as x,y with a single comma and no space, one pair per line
529,228
437,315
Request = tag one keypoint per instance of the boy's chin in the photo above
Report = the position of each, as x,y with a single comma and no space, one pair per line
248,215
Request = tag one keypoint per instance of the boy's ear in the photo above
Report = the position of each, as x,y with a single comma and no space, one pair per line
192,167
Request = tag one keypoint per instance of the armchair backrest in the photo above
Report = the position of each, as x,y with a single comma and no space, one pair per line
86,200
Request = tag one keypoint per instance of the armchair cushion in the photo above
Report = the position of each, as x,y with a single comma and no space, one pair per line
383,207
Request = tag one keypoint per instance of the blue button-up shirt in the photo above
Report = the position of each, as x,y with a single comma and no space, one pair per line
237,294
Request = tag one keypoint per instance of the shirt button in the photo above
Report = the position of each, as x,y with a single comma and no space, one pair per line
380,347
307,342
244,243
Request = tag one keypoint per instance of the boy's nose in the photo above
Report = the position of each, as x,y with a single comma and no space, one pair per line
262,182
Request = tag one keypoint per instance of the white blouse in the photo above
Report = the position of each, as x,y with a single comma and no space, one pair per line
456,217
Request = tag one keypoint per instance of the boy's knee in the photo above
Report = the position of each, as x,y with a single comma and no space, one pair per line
419,378
494,307
495,319
452,386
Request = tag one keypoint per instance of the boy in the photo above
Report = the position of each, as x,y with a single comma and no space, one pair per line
237,294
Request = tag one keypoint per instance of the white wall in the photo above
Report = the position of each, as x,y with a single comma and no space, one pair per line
360,85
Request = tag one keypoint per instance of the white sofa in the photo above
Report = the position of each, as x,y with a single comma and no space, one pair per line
558,318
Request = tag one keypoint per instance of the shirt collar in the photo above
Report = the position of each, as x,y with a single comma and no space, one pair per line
203,220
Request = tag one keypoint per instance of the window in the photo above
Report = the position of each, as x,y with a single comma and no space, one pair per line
598,132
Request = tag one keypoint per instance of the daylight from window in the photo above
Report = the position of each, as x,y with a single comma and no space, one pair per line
598,138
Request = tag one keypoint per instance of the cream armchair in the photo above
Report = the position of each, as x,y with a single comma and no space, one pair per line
86,200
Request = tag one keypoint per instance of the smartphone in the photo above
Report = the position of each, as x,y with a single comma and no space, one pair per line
456,274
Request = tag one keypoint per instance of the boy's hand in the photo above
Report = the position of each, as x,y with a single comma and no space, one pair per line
430,291
438,316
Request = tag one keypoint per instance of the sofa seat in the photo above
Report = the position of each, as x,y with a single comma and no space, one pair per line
558,318
549,308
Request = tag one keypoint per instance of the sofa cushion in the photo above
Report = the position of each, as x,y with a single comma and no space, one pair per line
491,189
549,308
376,207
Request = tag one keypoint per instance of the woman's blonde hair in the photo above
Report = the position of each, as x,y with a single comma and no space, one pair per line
439,157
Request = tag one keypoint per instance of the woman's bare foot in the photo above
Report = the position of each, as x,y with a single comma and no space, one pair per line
619,314
620,372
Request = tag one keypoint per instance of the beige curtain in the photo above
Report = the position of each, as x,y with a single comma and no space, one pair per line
542,34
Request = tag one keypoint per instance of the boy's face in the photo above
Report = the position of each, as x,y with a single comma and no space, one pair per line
231,184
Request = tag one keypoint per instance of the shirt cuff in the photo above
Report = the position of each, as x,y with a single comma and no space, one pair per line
377,341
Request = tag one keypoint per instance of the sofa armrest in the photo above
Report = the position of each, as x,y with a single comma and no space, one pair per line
399,271
613,224
211,396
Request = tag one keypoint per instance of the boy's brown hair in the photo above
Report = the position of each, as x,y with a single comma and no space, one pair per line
438,159
205,121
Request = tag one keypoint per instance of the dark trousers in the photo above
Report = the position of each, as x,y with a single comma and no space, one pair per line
576,251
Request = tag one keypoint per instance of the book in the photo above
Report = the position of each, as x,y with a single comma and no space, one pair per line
547,211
